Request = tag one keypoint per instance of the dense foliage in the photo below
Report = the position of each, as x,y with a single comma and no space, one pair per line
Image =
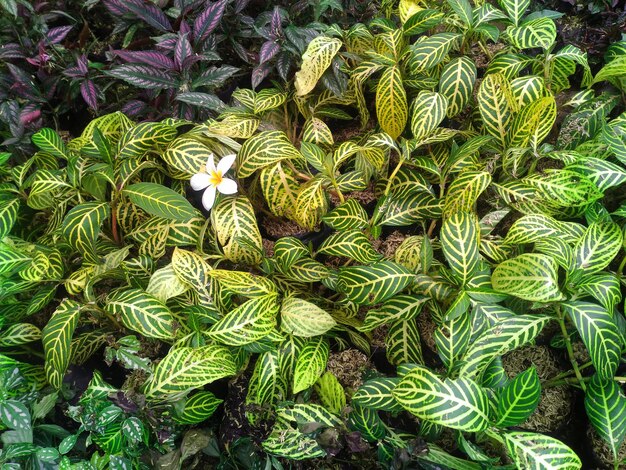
437,189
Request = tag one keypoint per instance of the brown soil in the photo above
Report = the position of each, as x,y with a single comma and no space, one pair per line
390,244
348,366
277,228
363,197
268,247
379,336
601,450
235,424
427,328
555,405
581,353
480,58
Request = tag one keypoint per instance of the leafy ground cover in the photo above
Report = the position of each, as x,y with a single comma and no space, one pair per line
326,234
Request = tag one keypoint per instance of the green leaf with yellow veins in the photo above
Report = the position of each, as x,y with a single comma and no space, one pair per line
456,84
250,322
237,230
81,227
391,103
142,312
161,201
56,338
368,285
458,404
264,149
302,318
187,368
315,60
460,238
428,110
310,364
529,276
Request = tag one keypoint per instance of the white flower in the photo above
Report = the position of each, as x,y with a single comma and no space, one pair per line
212,179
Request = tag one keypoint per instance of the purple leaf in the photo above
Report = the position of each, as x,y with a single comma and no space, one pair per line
49,85
283,64
143,76
192,59
73,72
153,58
276,23
268,50
241,51
168,44
29,115
187,112
259,73
56,35
214,76
82,64
134,108
116,7
182,50
240,5
11,51
150,13
208,20
184,28
203,100
10,111
20,76
89,91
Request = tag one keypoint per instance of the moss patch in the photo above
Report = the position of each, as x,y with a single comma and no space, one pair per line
555,406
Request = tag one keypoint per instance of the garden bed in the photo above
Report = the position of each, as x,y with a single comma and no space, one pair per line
312,235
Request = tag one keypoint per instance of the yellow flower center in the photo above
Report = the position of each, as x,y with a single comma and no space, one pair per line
215,178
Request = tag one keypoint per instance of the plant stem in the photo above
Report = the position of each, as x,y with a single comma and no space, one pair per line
431,229
393,174
306,177
575,381
559,379
96,308
114,230
32,352
296,172
568,345
620,270
485,50
288,129
339,194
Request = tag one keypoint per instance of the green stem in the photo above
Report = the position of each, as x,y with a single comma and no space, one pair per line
575,381
96,308
485,50
200,242
620,270
558,379
568,346
393,174
32,351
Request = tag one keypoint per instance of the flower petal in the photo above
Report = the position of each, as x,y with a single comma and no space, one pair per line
208,198
227,186
199,181
225,163
210,164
